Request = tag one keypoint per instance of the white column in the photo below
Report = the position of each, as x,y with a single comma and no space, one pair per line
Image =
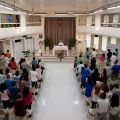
96,42
97,21
88,40
12,47
114,41
22,23
104,43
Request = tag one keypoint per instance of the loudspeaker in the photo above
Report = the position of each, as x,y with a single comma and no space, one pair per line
96,36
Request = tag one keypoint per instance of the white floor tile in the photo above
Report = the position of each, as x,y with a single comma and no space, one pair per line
59,98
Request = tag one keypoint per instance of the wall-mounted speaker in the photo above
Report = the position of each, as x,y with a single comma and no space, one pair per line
24,36
19,40
96,36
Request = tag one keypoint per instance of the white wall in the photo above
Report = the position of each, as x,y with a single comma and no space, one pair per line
22,30
97,29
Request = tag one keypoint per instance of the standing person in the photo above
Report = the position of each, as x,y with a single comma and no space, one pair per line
103,106
2,76
8,72
20,62
109,54
116,52
95,96
4,95
41,66
89,87
115,71
34,76
75,63
27,97
16,76
13,65
20,108
87,54
104,76
34,62
79,59
24,65
95,75
39,78
8,81
94,53
13,91
79,68
6,61
8,54
2,57
25,75
93,63
102,62
113,59
85,73
114,108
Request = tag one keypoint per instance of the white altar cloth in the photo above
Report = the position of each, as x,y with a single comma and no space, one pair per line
56,48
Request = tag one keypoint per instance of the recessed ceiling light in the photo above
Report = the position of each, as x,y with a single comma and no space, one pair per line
6,7
98,11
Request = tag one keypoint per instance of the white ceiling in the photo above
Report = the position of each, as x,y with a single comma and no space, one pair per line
59,5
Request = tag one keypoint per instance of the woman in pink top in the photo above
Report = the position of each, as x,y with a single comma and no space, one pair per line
102,62
4,95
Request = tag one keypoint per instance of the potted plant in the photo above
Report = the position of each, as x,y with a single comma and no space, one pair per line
26,53
72,43
47,43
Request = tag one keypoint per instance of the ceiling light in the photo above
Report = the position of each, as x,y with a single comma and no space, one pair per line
90,13
98,11
21,12
52,13
111,8
118,7
6,7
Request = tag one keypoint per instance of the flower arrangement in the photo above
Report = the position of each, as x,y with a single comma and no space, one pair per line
61,54
26,53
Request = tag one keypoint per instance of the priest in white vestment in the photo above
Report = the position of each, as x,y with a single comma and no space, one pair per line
61,43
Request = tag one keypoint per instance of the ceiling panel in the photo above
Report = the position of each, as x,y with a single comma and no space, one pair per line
59,5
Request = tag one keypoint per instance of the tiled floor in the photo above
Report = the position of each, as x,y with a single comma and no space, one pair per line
59,98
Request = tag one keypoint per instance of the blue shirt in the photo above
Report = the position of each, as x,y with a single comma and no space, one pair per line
14,91
85,74
115,69
8,83
34,62
89,88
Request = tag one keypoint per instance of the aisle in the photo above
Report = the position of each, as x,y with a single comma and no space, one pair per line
60,98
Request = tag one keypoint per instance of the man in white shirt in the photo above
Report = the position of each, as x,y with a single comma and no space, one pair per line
6,61
34,76
94,53
61,43
113,59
